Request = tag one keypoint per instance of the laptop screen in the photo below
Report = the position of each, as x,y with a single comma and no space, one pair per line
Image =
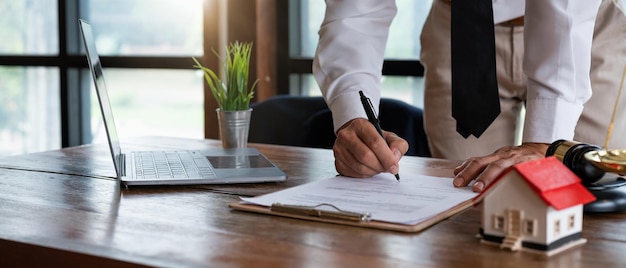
105,106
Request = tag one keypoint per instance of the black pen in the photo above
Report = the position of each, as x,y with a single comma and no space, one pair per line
369,110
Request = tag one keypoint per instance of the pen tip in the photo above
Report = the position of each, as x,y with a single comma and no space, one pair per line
397,177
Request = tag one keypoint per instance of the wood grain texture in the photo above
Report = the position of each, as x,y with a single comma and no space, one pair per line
60,218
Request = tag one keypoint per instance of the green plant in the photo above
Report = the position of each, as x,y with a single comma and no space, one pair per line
233,93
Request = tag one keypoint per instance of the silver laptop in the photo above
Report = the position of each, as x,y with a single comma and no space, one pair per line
175,167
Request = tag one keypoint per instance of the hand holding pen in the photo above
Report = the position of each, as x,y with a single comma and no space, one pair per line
360,152
371,116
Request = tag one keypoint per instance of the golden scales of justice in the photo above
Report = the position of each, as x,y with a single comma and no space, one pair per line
610,196
610,160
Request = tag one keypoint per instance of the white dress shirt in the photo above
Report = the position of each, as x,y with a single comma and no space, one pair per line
558,36
504,10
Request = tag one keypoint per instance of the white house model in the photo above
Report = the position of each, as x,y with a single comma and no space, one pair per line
534,206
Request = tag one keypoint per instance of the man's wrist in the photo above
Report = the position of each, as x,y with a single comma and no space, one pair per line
537,146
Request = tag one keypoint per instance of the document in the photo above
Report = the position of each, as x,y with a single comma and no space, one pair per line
414,199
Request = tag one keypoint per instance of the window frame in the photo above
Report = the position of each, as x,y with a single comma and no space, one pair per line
557,227
571,221
499,221
72,65
530,227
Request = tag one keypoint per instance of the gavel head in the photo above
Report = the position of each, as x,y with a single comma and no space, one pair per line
572,154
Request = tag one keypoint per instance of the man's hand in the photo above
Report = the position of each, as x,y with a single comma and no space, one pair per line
487,168
361,152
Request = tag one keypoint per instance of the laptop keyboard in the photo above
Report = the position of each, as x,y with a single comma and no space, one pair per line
171,164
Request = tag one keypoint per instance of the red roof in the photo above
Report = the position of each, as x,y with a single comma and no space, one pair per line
553,182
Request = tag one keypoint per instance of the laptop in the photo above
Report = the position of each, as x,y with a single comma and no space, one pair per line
175,167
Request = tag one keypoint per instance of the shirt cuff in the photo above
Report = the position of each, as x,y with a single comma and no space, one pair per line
548,120
347,106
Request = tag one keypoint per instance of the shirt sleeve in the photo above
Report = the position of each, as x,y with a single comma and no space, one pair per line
350,52
557,59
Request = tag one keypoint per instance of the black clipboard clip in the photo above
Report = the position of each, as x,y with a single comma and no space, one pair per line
313,211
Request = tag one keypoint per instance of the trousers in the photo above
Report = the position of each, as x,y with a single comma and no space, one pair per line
608,59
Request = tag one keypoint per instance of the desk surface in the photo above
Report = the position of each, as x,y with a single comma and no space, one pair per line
64,207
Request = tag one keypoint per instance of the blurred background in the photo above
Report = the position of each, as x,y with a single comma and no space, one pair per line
46,92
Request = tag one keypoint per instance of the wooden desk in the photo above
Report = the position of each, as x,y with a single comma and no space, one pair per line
75,213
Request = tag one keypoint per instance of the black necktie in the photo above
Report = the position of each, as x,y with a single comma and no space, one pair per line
475,101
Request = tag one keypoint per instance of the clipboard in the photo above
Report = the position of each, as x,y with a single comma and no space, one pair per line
313,213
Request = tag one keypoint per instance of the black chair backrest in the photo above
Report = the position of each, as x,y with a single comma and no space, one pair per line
291,120
307,122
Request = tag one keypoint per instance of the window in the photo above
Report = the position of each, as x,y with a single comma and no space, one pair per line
530,227
498,222
152,102
29,95
407,23
29,106
557,227
166,102
572,221
146,27
47,100
29,27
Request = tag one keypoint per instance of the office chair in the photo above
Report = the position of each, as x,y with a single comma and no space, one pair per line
307,122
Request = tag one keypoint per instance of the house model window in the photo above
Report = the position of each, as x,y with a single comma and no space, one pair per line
530,227
572,221
557,227
498,222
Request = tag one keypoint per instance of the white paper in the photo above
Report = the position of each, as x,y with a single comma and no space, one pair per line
410,201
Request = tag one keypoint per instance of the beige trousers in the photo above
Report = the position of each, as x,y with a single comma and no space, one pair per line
608,62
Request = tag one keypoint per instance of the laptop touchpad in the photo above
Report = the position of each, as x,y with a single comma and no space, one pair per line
239,161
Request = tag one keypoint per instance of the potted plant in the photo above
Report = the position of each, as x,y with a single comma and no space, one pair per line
232,94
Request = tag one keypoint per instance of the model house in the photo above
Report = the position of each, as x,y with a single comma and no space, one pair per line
534,206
